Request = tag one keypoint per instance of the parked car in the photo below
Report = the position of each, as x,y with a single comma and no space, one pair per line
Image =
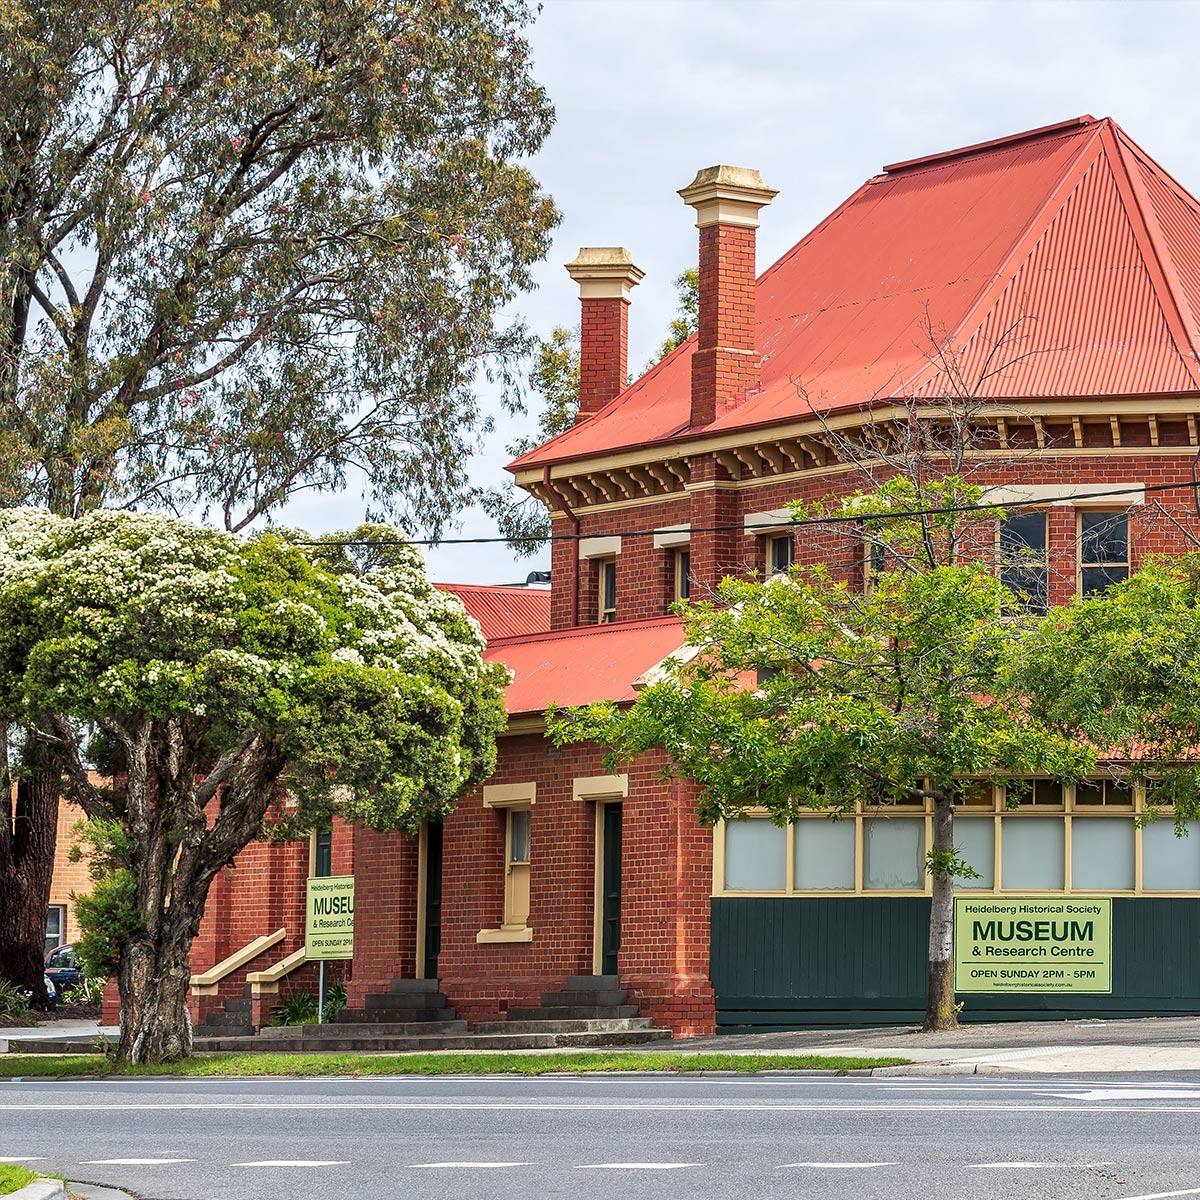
63,968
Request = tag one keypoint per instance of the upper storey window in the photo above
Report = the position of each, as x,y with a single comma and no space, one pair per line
1023,568
781,553
1103,550
606,589
683,574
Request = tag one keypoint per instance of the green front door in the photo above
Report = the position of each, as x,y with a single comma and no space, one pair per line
610,934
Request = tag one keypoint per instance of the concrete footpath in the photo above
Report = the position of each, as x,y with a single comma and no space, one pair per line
1019,1047
1155,1044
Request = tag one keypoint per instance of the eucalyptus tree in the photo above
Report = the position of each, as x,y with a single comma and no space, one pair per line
249,249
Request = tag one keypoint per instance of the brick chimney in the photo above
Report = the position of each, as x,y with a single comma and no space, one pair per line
726,364
605,275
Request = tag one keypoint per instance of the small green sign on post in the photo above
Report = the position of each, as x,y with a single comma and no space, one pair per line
1032,944
329,925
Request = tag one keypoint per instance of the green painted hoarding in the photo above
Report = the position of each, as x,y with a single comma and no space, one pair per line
329,921
1032,944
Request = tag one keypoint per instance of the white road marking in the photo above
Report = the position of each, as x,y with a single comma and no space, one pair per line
1164,1195
590,1106
474,1165
295,1162
631,1166
831,1166
15,1158
133,1162
1128,1093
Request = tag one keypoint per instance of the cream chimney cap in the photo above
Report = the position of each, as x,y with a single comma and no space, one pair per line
604,272
724,195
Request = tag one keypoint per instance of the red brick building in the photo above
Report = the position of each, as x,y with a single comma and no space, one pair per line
1051,278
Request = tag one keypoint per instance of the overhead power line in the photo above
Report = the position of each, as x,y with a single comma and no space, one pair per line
792,523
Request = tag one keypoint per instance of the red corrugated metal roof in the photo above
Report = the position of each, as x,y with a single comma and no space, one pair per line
504,612
583,665
1071,232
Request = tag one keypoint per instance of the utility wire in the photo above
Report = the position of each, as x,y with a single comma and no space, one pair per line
793,523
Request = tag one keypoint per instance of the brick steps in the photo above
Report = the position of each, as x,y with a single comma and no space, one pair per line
574,1012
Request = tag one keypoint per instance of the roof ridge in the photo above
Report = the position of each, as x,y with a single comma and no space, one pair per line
1042,132
1185,318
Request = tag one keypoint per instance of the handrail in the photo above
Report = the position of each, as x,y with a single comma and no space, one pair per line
205,984
268,981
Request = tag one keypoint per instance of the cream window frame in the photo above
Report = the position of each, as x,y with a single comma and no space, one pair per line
1043,564
1080,565
681,573
605,615
997,812
512,798
770,540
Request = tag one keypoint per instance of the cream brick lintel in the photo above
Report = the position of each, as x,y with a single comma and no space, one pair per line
600,787
1071,494
599,547
727,196
673,537
524,934
773,519
509,795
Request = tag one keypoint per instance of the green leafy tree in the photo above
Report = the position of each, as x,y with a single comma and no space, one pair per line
1121,670
247,250
554,377
227,679
687,319
896,696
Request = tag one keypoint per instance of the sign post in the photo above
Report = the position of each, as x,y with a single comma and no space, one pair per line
1032,944
329,925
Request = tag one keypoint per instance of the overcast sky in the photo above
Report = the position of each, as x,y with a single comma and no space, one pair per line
817,96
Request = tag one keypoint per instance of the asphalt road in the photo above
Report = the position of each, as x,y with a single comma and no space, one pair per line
968,1137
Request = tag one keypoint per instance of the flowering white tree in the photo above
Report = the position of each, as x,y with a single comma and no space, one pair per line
224,677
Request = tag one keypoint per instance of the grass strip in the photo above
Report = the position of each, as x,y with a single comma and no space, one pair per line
214,1065
13,1178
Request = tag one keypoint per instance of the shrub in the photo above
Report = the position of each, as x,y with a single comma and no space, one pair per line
300,1008
14,1002
90,991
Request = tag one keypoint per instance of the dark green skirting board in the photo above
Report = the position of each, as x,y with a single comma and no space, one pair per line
803,963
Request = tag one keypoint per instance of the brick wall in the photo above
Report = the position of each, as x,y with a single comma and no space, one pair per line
666,877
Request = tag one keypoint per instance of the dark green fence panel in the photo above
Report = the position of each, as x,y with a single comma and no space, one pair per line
780,963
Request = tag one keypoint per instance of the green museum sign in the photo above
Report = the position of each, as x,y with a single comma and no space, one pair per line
329,928
1032,944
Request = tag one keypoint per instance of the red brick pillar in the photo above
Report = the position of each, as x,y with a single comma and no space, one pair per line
605,275
666,901
716,514
726,365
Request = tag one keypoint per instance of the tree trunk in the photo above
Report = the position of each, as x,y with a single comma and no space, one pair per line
940,1011
153,979
26,868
